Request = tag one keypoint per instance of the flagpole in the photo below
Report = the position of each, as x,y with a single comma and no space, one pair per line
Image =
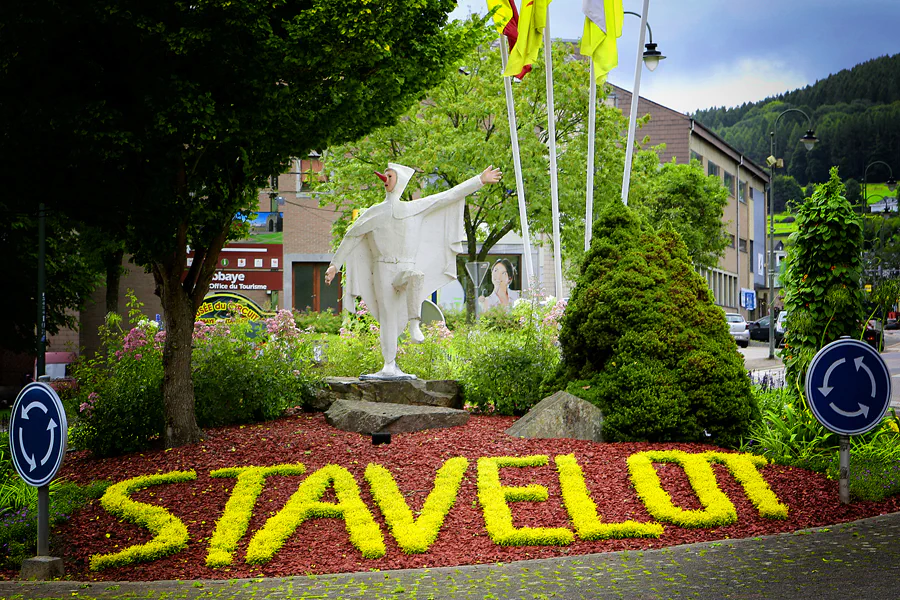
589,192
554,183
635,95
520,185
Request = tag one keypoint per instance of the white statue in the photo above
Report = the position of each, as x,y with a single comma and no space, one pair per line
397,253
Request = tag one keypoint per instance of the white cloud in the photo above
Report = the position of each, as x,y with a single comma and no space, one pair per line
747,80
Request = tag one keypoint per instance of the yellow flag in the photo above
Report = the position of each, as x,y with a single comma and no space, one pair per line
532,21
599,39
503,15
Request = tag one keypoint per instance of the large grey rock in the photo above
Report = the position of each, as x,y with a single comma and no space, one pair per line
419,392
382,417
561,415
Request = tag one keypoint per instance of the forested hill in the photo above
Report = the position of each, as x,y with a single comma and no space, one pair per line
856,116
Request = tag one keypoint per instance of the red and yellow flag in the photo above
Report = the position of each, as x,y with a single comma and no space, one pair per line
524,32
602,25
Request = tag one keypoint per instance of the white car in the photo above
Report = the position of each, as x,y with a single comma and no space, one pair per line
738,327
781,326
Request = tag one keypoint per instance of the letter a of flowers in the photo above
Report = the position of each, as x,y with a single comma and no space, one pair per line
416,535
233,524
583,511
170,534
364,532
497,516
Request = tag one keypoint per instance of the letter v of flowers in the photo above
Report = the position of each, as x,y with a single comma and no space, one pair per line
416,535
233,523
170,534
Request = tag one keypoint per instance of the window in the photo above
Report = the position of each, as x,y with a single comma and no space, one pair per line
742,192
742,245
729,183
730,239
751,257
696,156
712,168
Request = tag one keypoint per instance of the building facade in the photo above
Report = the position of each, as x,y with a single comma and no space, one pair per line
739,282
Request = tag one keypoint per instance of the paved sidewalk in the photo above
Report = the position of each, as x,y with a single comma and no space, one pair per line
853,560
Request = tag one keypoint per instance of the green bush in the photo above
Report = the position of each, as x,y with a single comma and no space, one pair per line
822,274
318,322
18,508
501,372
642,339
242,372
119,396
242,375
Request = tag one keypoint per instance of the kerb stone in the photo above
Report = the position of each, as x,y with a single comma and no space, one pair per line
561,415
382,417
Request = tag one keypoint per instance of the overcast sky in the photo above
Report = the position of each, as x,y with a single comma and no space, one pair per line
726,52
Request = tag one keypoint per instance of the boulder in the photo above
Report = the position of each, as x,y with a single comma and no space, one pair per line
419,392
382,417
561,415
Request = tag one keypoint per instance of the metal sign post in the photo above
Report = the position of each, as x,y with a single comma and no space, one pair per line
38,431
848,388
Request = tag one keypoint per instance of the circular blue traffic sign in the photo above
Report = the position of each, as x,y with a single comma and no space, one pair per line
848,387
38,431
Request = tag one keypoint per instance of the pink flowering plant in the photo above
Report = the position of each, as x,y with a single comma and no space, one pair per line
242,371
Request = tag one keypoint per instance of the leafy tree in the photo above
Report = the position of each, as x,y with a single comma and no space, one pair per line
642,339
786,193
70,278
190,107
822,274
851,190
461,127
692,203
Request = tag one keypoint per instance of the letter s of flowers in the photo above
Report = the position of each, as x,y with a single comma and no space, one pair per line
497,516
233,523
416,535
583,512
364,532
170,533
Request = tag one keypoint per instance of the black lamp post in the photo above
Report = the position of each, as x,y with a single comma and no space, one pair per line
809,140
891,182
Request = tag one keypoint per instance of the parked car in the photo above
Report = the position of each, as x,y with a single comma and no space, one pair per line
780,327
759,330
738,327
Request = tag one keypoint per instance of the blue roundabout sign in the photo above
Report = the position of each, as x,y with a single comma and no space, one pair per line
38,432
848,387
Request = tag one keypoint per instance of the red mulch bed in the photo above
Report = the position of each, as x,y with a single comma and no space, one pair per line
322,545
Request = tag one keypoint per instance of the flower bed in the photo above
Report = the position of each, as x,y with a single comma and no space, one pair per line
525,490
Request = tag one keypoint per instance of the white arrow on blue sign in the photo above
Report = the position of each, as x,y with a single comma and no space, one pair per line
38,432
848,387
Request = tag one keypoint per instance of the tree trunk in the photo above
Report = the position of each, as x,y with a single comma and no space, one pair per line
113,263
178,386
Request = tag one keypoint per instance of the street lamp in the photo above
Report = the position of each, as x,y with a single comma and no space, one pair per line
651,56
809,140
891,182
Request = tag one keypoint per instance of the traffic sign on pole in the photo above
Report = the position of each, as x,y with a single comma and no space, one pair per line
848,387
38,432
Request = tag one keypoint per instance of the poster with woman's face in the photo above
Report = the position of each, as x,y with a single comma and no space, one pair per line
499,288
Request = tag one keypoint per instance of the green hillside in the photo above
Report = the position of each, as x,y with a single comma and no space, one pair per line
856,116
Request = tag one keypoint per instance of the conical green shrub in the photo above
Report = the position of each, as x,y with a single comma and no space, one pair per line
643,340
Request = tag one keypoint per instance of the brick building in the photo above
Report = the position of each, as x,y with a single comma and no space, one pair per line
739,282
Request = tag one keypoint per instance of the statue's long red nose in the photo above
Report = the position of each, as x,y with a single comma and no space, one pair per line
381,176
